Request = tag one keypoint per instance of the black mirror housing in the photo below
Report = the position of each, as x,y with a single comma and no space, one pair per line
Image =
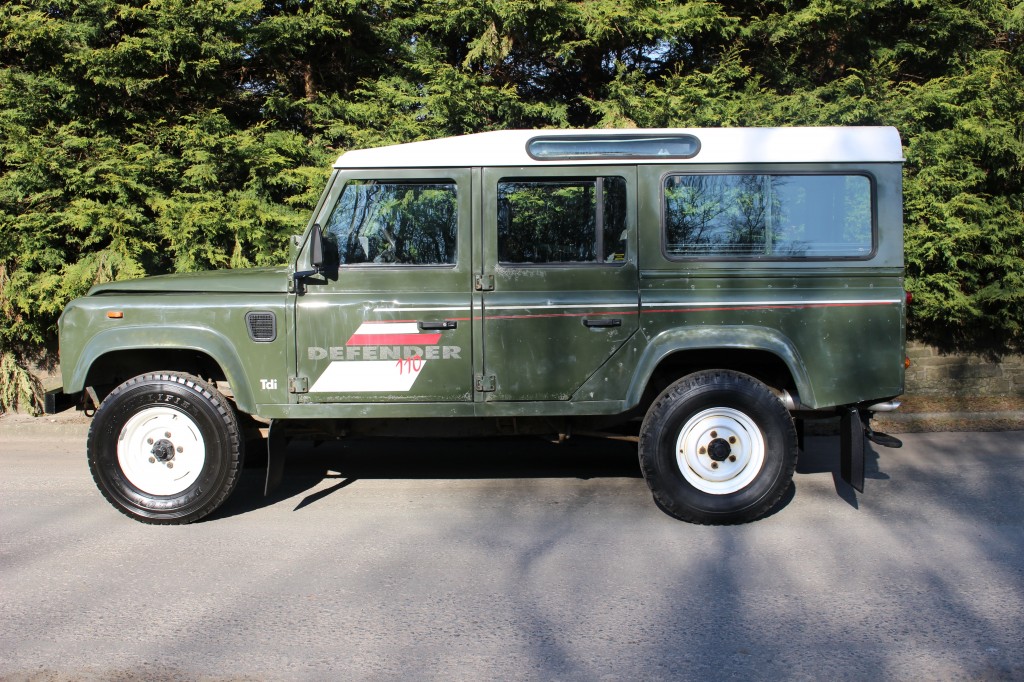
313,263
316,249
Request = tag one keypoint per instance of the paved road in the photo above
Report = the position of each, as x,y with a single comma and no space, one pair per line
518,560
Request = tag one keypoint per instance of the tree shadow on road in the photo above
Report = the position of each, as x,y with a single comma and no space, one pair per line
821,455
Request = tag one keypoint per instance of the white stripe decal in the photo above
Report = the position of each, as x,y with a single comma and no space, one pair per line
368,376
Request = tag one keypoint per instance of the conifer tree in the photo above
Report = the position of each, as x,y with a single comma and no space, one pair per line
144,137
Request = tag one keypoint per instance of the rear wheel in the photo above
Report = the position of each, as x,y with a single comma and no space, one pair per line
165,448
717,447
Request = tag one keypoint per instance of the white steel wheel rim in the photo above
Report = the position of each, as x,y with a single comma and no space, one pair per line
720,451
161,451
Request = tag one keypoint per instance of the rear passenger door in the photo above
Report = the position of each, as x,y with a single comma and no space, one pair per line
558,278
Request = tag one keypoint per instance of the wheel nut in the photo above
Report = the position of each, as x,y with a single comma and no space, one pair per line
732,439
703,450
167,434
180,449
149,440
152,460
170,465
714,465
714,434
732,458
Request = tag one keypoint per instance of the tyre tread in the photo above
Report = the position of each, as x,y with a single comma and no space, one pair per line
228,419
721,379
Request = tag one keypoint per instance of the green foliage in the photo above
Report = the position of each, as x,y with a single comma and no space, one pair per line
142,137
19,388
132,143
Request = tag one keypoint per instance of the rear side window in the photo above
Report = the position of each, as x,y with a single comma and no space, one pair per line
564,220
768,216
395,223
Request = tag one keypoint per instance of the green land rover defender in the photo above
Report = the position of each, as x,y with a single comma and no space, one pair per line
714,287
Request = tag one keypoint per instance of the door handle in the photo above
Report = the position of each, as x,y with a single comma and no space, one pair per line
602,322
437,325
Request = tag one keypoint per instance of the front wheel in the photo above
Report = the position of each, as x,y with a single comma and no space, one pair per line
718,447
165,448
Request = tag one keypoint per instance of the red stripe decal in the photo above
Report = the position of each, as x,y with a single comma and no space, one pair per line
530,317
723,308
645,311
393,340
793,306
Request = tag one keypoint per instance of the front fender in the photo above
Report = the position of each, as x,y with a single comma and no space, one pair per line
736,337
150,337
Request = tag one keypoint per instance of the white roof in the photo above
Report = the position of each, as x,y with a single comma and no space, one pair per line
717,145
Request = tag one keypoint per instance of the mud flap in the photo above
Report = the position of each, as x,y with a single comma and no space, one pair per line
851,448
277,445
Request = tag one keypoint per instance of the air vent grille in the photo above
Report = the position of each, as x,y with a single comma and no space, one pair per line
262,325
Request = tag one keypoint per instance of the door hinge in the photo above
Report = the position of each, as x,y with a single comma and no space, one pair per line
484,283
485,383
298,384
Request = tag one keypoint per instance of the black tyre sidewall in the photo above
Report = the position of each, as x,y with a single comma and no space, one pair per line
216,423
682,401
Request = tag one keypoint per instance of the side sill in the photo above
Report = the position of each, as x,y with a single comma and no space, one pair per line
440,410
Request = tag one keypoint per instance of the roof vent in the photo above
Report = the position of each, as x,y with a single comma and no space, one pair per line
262,325
631,146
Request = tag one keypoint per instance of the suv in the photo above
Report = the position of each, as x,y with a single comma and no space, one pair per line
722,285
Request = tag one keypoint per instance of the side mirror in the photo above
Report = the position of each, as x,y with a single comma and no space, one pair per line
313,262
316,249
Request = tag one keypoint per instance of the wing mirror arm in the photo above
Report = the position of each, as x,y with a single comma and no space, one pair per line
316,254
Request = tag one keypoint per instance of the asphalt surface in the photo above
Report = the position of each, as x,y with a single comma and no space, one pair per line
516,559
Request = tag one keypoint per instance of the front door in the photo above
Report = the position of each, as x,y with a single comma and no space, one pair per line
392,320
559,277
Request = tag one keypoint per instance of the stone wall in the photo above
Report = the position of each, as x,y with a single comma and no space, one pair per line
933,373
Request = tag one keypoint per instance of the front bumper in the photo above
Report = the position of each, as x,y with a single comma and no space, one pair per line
56,400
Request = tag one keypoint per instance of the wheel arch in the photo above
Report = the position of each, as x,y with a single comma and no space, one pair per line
114,355
764,354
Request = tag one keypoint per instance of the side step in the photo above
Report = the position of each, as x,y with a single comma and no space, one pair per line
883,439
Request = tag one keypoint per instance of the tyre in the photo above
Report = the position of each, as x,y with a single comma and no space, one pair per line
165,448
717,447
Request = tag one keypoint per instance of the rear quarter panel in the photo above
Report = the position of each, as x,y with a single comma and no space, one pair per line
838,324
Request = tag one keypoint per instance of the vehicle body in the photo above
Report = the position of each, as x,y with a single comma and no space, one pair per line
719,283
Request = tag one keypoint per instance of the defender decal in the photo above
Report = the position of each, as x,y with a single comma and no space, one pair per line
380,357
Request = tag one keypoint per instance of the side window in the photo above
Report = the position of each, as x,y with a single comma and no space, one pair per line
768,216
563,220
395,223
